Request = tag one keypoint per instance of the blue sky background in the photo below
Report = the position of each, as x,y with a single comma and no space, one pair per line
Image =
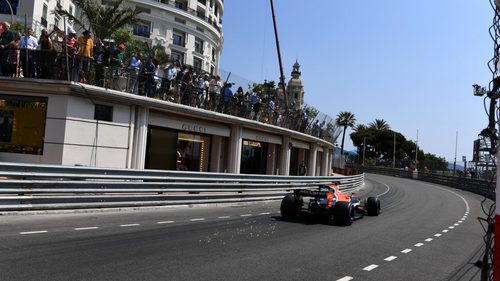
411,63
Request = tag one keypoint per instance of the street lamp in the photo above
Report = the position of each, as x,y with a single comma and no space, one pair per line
11,12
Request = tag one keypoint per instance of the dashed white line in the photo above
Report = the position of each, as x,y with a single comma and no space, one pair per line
346,278
391,258
460,221
406,251
446,230
246,215
86,228
164,222
33,232
428,240
130,224
224,217
456,224
199,219
266,213
419,244
438,234
451,227
370,267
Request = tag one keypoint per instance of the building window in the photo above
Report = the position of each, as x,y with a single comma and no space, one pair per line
181,5
197,65
143,10
212,70
177,56
213,55
141,30
200,29
200,14
44,15
216,10
180,20
71,9
56,22
5,9
198,46
103,112
179,38
22,124
203,2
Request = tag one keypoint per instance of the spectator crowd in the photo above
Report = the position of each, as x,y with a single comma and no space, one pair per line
59,56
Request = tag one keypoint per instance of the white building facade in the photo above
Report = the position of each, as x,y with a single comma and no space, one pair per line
190,30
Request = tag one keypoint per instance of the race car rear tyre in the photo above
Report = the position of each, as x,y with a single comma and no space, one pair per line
289,206
373,206
342,214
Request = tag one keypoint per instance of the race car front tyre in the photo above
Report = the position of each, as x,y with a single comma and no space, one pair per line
342,212
289,207
373,206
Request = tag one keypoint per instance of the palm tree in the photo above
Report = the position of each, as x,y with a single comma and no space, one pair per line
345,119
102,20
379,125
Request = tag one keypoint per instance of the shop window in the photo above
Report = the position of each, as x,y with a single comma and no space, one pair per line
172,150
192,152
254,157
22,124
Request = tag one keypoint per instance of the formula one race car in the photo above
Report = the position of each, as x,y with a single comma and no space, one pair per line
328,201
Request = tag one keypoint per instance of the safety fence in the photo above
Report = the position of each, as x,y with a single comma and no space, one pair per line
481,187
47,187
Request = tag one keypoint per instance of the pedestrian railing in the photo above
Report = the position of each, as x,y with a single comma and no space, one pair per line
47,187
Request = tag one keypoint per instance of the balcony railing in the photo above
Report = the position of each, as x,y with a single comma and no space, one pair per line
61,66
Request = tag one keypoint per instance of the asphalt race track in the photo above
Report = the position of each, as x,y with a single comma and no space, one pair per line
425,232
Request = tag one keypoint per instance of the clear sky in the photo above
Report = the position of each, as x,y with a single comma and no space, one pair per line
411,63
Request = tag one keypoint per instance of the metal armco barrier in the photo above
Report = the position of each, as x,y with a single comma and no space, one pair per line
45,187
481,187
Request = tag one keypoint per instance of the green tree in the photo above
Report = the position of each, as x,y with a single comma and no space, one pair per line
102,20
379,125
346,120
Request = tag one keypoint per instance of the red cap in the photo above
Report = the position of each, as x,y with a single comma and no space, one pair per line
121,46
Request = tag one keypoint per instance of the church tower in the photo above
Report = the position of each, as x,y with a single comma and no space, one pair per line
295,89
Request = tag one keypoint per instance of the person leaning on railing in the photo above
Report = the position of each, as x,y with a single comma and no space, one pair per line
28,44
46,56
86,55
116,64
9,57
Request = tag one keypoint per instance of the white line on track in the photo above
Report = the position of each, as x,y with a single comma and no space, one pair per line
391,258
33,232
406,251
130,224
199,219
385,192
346,278
438,234
428,240
456,224
164,222
224,217
460,221
451,227
446,230
419,244
86,228
266,213
370,267
246,215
